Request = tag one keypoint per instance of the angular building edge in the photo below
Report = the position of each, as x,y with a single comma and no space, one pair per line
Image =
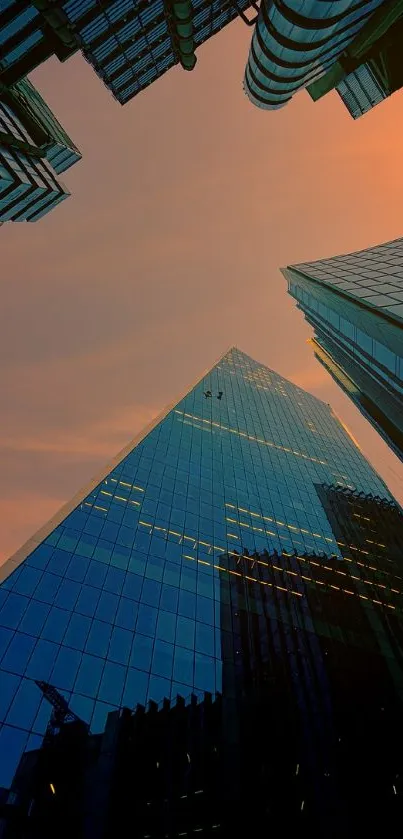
21,554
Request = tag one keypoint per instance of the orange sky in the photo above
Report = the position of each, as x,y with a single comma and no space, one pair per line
186,203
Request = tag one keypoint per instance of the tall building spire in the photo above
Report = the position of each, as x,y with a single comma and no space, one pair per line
241,549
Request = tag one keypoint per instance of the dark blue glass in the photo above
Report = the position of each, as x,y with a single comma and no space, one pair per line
65,669
120,645
9,685
34,618
141,652
107,606
183,666
114,580
18,653
13,610
87,601
126,615
77,631
27,581
98,638
55,625
112,683
136,686
166,626
89,675
146,619
162,659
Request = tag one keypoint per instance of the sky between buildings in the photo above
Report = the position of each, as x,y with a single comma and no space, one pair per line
186,203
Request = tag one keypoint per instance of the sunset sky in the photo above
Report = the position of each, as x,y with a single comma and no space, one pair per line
186,203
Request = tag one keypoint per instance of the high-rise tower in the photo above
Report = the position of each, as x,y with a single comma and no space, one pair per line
129,44
34,151
242,546
295,43
355,304
370,69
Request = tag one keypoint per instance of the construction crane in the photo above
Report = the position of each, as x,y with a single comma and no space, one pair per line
61,712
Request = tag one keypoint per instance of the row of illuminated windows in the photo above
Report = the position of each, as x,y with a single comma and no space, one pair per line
206,505
198,531
253,483
201,496
185,462
195,467
199,490
120,554
231,439
315,447
264,420
184,511
264,424
224,443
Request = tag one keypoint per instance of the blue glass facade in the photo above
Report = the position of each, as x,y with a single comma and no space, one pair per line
120,599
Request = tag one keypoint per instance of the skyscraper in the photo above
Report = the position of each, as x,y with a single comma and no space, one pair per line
34,150
370,69
242,546
354,303
129,44
295,43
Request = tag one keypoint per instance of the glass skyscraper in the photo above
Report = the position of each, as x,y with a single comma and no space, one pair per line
241,547
34,150
370,69
354,303
295,43
129,44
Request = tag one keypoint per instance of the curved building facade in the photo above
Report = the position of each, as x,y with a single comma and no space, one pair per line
296,41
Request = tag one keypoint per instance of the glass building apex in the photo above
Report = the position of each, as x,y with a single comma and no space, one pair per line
125,596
